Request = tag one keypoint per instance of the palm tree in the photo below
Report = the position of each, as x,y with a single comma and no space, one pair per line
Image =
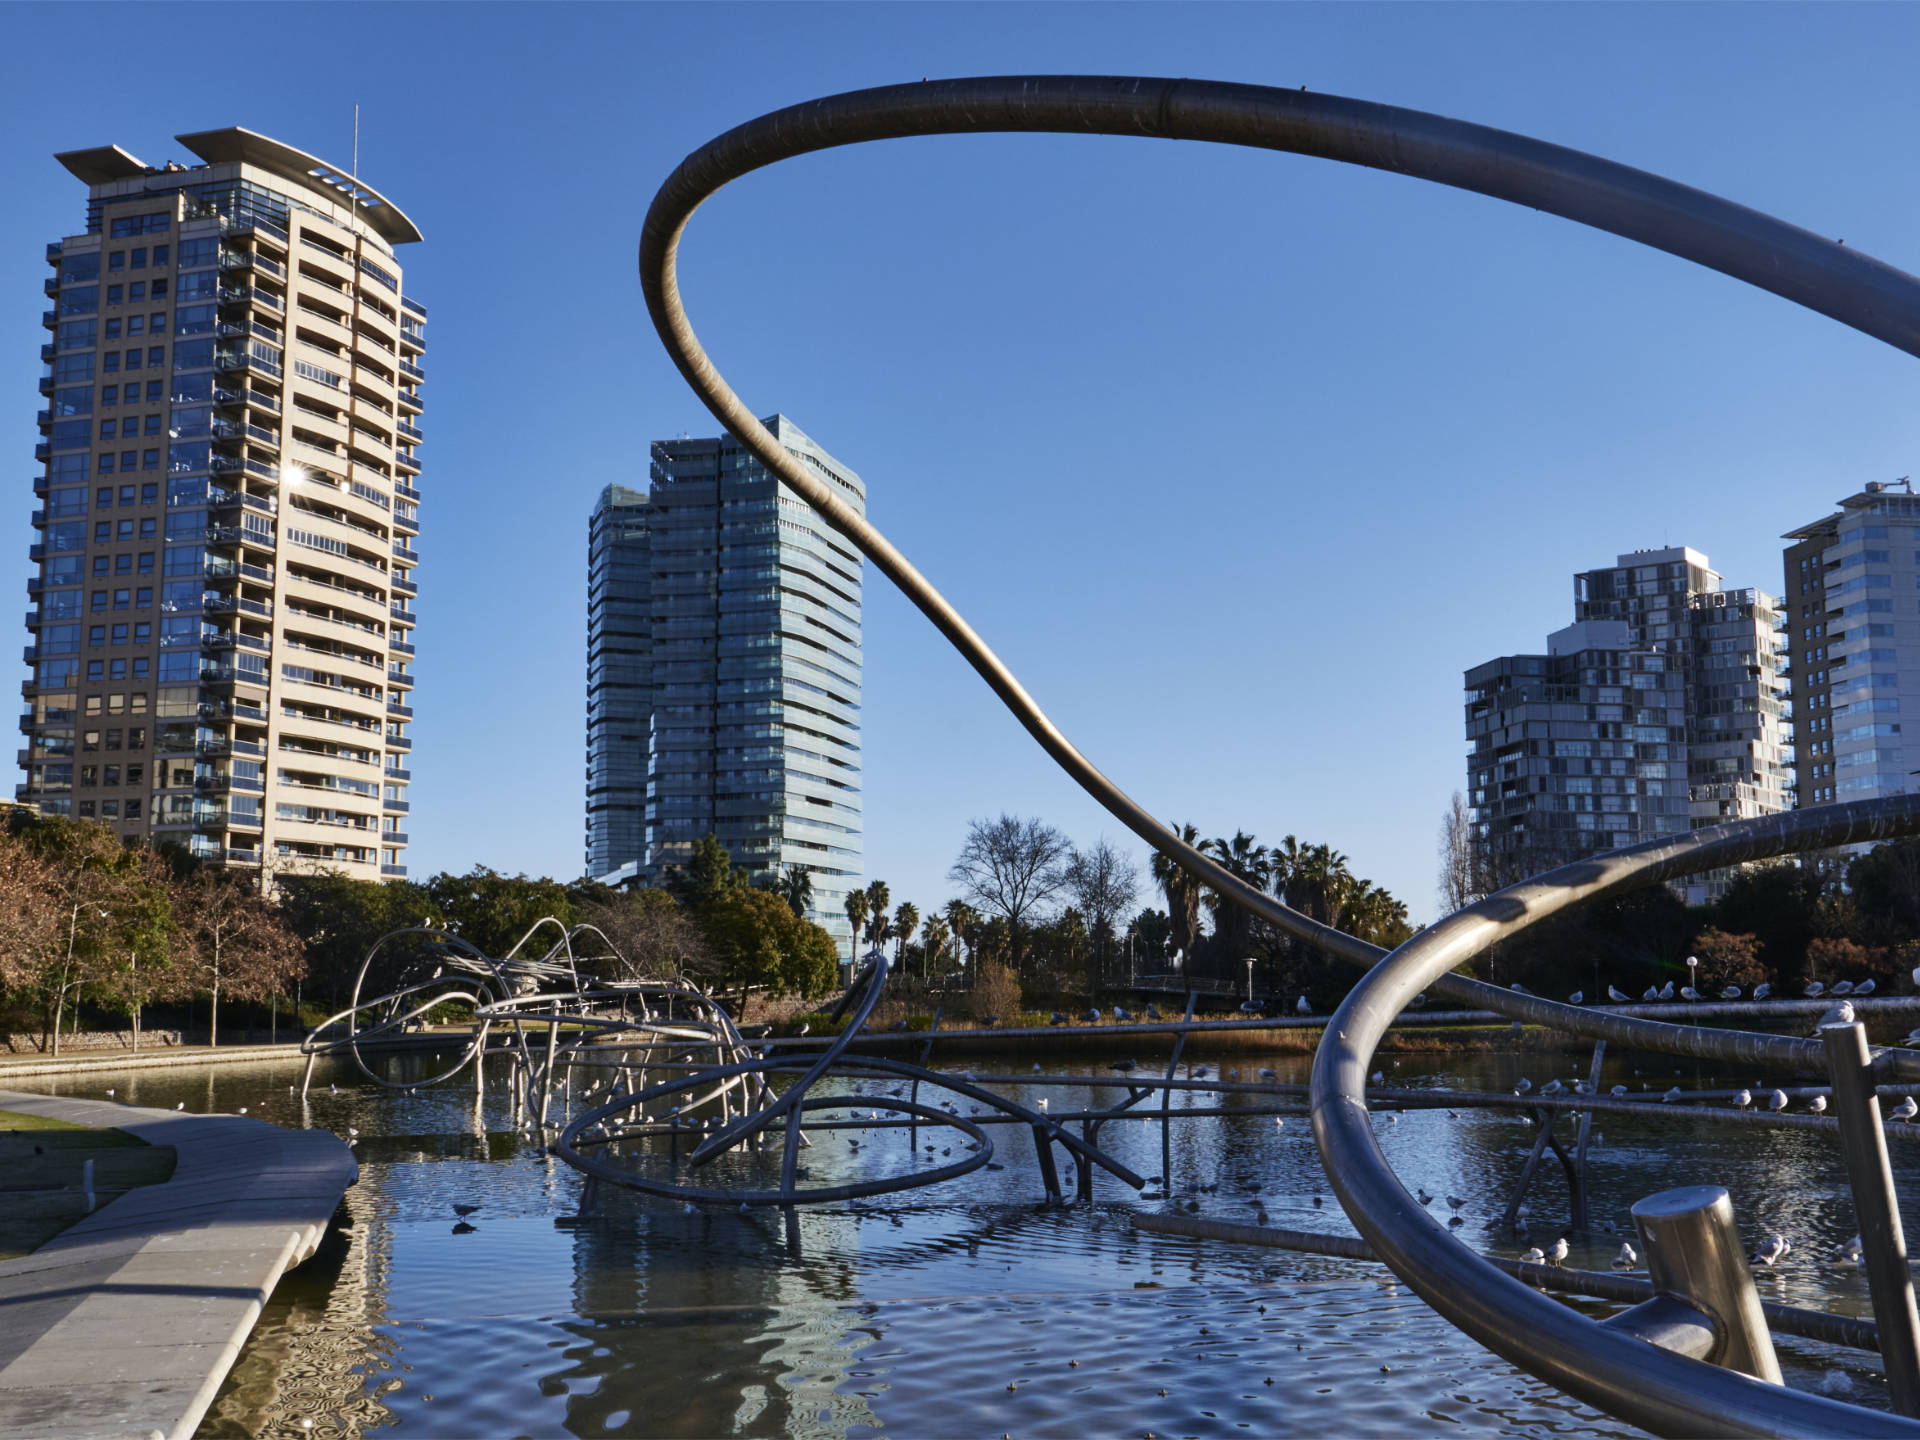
878,929
933,939
1183,894
1242,858
961,920
906,919
796,888
857,917
877,909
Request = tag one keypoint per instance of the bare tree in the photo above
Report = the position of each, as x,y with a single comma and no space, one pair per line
1104,884
1463,866
233,940
1010,867
655,936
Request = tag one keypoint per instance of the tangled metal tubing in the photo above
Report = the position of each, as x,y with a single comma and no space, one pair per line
1613,1369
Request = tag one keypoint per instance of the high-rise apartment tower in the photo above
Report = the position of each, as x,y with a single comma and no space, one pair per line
222,637
1657,711
1853,638
736,709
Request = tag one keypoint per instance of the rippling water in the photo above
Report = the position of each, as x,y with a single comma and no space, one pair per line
964,1309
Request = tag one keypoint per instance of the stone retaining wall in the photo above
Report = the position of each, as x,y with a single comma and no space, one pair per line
35,1044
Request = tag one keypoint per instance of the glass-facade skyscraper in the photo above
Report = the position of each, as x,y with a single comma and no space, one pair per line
748,675
619,679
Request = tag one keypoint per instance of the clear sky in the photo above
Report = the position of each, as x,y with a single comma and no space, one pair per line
1239,459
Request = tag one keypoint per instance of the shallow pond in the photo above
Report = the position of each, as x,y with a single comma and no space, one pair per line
958,1310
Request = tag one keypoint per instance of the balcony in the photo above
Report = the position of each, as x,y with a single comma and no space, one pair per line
55,249
400,647
236,225
243,857
407,492
43,451
398,612
249,747
396,872
392,774
406,462
241,361
398,742
407,302
393,837
397,807
258,399
37,552
409,432
412,397
400,678
399,711
49,319
412,372
46,385
47,352
253,295
404,555
404,587
51,287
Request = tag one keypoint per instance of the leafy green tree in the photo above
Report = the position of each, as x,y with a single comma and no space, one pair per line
338,919
493,912
1885,884
1784,906
707,875
757,942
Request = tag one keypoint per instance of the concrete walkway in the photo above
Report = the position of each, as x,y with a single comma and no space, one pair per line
77,1062
127,1323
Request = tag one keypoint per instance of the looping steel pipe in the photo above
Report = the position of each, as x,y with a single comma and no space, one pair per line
1615,1371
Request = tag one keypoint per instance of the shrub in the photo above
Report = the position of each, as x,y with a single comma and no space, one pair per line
996,992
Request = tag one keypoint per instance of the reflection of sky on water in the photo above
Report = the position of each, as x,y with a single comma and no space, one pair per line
916,1313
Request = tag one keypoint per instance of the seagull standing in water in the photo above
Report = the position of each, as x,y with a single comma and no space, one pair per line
1771,1252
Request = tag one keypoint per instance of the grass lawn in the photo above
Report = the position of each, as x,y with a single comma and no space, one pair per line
42,1163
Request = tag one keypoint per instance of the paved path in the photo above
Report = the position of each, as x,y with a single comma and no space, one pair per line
126,1324
159,1057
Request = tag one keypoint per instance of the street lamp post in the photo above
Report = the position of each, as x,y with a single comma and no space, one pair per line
1249,982
1693,973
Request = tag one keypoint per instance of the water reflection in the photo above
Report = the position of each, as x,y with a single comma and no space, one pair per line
964,1308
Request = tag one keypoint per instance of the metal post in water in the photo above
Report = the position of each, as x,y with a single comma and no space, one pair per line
1544,1119
1694,1254
1877,1210
1049,1173
1166,1103
1580,1214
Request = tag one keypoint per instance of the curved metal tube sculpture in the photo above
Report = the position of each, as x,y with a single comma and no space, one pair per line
1624,1375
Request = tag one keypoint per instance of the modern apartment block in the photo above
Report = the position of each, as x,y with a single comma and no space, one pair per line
1657,711
1854,634
619,681
748,680
222,631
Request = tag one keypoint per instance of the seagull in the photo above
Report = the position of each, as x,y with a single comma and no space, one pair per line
109,1094
1771,1251
1651,995
1305,1009
1578,997
181,1105
1626,1258
1552,1087
1743,1099
1845,987
1731,992
1849,1252
1454,1202
1762,990
1422,1196
1126,1067
1671,1096
1523,1087
1815,990
1558,1250
1904,1111
1618,1092
1913,1038
1817,1104
1778,1100
1687,992
1122,1016
1916,974
1613,994
1519,989
1865,987
1268,1075
1666,991
1043,1102
1278,1122
1533,1257
1379,1077
1841,1014
464,1210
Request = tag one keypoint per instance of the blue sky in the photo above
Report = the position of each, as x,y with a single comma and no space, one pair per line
1239,459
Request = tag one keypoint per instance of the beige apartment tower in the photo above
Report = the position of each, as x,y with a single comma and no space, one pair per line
223,604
